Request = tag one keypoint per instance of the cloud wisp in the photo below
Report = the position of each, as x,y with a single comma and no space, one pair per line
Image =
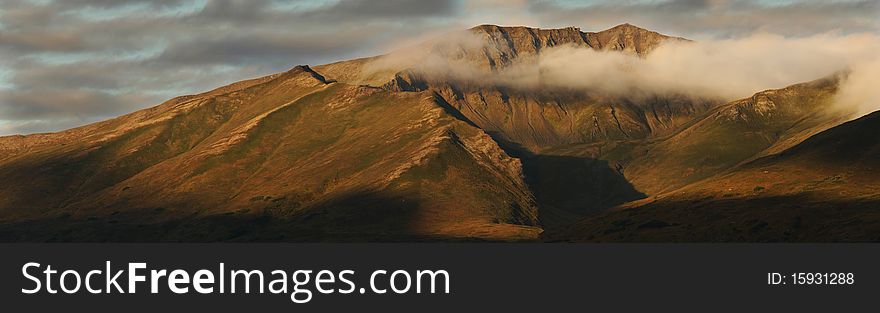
859,91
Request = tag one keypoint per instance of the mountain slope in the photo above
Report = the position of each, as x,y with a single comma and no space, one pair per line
292,143
733,133
825,188
296,150
529,122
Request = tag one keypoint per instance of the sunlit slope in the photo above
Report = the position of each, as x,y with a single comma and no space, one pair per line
316,156
826,188
739,131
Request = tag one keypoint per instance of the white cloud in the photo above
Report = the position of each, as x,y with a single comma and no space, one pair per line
730,69
860,90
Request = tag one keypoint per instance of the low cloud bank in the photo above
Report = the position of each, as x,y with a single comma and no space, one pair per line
727,69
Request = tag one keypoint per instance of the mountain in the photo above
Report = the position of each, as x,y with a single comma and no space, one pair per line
287,157
825,188
528,122
532,119
426,143
730,134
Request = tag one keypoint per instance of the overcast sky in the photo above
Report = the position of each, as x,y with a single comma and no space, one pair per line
65,63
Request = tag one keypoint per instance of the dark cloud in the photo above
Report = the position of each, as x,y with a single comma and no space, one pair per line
358,9
235,11
79,4
322,16
83,104
41,41
268,48
33,75
44,126
719,18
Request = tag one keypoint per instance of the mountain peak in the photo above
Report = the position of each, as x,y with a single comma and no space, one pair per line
631,38
306,75
624,37
626,25
628,28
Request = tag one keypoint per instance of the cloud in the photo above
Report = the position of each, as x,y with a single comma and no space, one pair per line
359,9
725,69
703,19
34,111
80,4
35,75
731,69
272,49
41,41
859,91
501,12
322,15
34,126
67,103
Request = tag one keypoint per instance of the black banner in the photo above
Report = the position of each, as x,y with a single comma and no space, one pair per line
486,277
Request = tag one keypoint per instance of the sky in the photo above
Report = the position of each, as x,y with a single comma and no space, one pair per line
66,63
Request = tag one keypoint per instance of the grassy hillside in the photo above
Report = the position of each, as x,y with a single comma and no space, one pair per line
826,188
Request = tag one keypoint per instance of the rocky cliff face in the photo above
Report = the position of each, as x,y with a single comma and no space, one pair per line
506,44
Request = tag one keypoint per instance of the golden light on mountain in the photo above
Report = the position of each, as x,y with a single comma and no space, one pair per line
493,133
